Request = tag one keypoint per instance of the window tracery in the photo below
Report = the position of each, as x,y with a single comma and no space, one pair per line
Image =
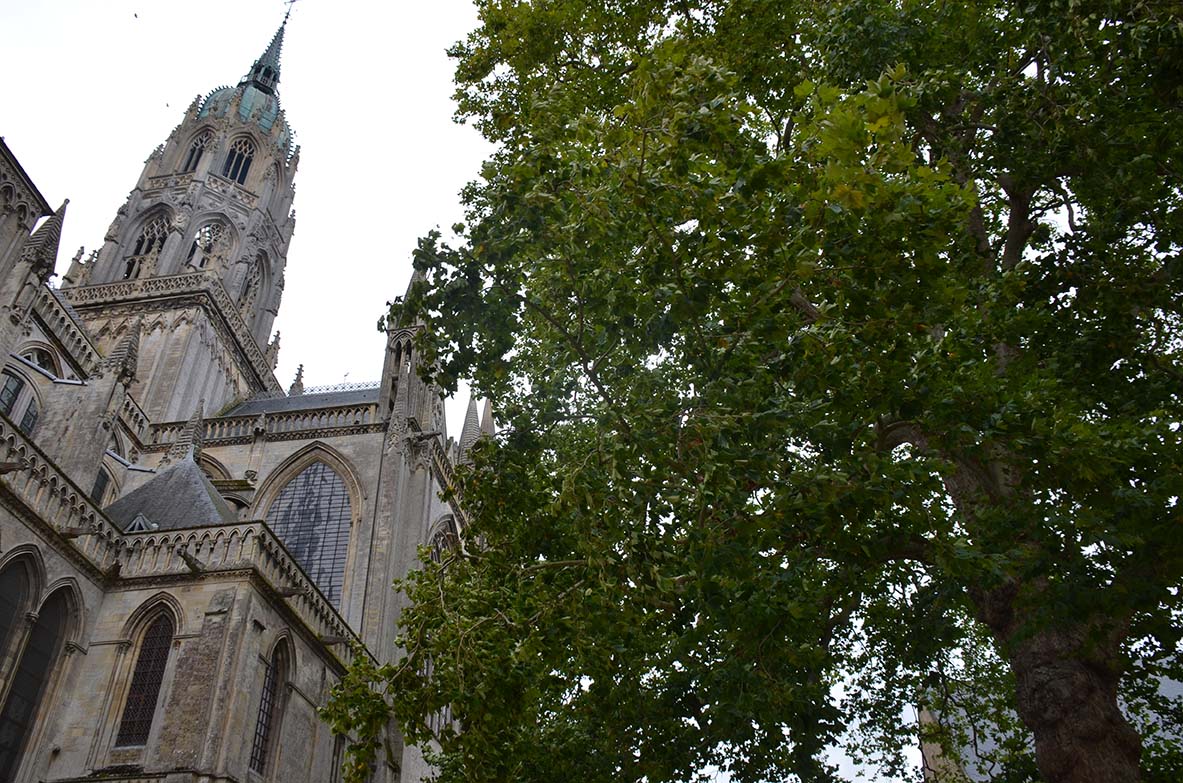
238,160
196,150
18,402
140,707
209,244
150,240
312,515
270,707
42,358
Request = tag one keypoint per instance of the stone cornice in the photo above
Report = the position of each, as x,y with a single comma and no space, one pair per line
204,287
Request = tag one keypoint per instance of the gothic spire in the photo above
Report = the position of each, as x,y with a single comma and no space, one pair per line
264,73
189,441
42,247
471,432
125,358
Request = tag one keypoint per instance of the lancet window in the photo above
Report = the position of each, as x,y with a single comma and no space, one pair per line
311,515
270,707
150,240
238,160
29,681
209,245
140,708
196,150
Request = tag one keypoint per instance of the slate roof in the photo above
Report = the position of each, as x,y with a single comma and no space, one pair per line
180,496
305,402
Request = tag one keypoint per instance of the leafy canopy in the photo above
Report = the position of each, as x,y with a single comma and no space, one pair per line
837,348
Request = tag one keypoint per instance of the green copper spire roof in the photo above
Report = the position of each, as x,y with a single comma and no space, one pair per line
264,73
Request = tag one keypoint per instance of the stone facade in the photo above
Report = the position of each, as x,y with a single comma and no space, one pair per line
187,553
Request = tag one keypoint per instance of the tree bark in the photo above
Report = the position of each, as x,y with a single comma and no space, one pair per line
1066,693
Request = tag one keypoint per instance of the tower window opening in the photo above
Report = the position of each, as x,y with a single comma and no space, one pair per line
150,240
196,150
99,491
238,160
208,244
145,683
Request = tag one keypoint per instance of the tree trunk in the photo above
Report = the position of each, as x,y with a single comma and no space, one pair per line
1066,693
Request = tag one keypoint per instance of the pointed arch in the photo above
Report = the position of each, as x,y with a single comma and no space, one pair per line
151,629
75,607
311,503
150,233
240,154
277,671
199,143
161,602
31,678
316,451
214,469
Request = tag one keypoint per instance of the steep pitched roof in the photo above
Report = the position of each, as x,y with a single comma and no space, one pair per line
181,496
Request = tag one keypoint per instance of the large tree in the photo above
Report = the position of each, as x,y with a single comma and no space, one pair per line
837,346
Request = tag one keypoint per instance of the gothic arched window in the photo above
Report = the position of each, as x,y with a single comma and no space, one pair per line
238,160
150,240
42,358
208,244
311,515
14,592
18,403
140,708
29,681
270,707
196,150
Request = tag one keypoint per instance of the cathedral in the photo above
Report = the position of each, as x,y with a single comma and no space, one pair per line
189,555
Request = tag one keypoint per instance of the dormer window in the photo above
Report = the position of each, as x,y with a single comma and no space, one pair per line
196,150
238,160
209,244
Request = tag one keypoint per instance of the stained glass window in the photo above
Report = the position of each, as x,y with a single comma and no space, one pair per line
269,707
28,684
145,683
311,516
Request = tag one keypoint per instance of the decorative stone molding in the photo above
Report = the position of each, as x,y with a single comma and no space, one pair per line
249,548
205,287
284,425
64,327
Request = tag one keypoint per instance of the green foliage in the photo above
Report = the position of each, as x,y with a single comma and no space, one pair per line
838,348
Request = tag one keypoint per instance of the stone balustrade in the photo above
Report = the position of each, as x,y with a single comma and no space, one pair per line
243,546
134,418
279,425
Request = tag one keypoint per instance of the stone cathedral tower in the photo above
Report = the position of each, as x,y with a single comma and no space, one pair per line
190,557
198,251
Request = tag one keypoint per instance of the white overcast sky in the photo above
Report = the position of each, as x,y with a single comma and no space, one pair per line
91,87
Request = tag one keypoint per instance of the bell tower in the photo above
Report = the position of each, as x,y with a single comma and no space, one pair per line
195,257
